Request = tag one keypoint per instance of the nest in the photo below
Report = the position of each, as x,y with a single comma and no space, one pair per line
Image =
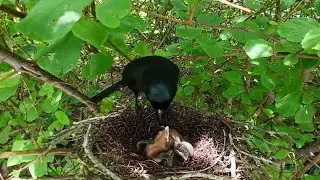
113,142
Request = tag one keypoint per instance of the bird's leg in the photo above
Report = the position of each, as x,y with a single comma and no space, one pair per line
138,109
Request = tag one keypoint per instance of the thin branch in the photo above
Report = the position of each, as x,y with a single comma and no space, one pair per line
233,166
308,167
191,23
55,178
93,9
32,69
235,5
57,151
12,11
193,9
94,159
292,11
278,11
195,175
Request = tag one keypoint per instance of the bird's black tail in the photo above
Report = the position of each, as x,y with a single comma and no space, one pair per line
107,92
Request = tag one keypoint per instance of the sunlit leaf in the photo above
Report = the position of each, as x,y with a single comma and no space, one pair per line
62,117
305,114
90,31
295,29
258,48
63,58
50,20
289,104
111,12
8,84
290,60
312,40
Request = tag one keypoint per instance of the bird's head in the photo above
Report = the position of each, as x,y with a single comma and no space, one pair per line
184,149
160,96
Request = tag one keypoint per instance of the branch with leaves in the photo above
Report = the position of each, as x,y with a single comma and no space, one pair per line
32,69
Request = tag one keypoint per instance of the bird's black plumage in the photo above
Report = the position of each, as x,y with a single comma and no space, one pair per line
155,76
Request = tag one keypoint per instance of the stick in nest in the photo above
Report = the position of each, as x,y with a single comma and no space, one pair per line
94,160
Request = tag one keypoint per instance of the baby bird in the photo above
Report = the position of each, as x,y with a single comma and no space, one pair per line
160,144
181,147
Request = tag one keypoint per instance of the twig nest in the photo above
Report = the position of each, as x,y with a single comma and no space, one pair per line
114,140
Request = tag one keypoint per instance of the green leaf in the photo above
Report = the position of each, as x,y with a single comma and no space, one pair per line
188,90
111,12
253,4
49,105
21,145
268,81
99,63
233,91
38,168
5,118
62,117
209,19
56,125
317,6
46,89
90,31
268,112
312,40
233,77
161,52
8,84
142,49
295,29
63,58
305,114
27,107
306,99
289,104
179,5
261,145
244,36
258,48
210,46
256,93
188,33
51,20
281,154
290,60
287,3
4,134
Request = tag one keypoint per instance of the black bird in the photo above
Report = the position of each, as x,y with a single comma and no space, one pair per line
155,76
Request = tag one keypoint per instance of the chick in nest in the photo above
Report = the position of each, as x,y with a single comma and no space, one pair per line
165,146
183,148
154,147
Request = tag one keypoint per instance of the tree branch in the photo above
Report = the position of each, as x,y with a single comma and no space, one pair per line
12,11
93,159
58,151
193,9
30,68
235,6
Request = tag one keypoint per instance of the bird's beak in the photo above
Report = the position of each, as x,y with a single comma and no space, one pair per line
160,114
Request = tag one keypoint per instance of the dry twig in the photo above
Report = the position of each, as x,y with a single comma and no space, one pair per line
235,5
196,175
94,160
